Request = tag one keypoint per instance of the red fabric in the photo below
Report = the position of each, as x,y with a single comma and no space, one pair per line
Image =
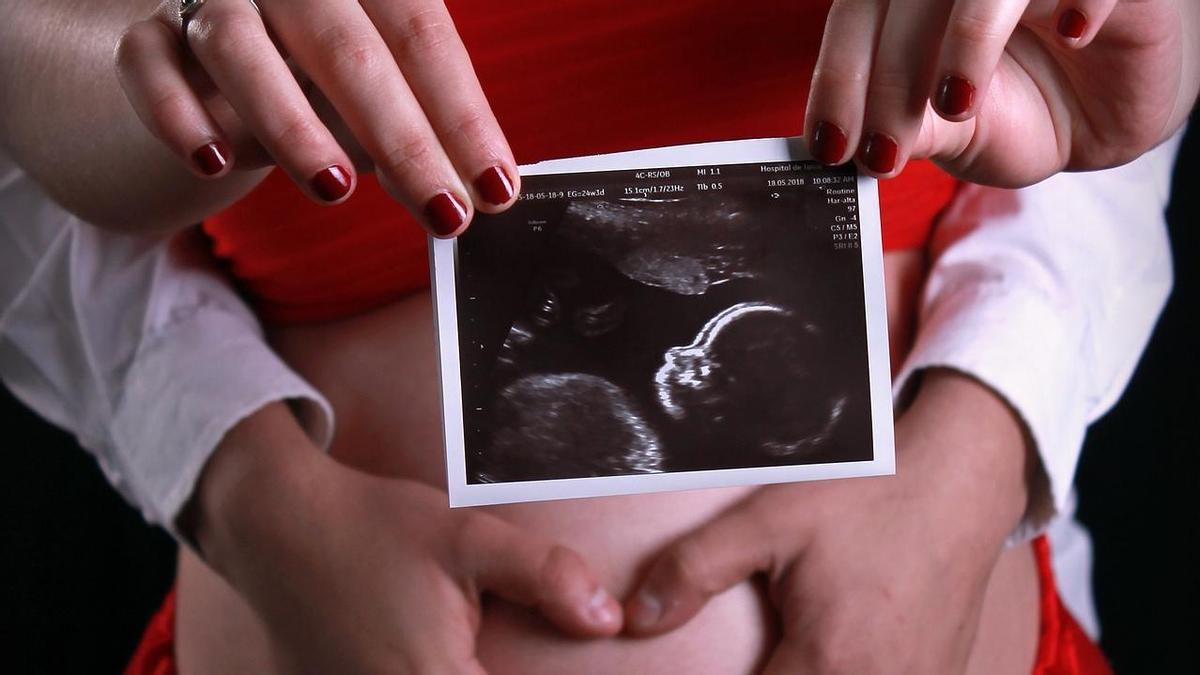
564,78
1063,647
155,654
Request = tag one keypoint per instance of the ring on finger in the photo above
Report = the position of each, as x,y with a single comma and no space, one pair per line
189,9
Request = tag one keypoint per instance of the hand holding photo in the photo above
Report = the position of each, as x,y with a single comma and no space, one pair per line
669,319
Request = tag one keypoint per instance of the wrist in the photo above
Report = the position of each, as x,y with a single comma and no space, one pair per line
258,475
972,454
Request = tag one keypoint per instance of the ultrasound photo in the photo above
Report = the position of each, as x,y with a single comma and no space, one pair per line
660,321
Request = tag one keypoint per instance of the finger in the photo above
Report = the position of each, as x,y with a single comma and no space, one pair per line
901,78
700,565
532,571
975,37
834,117
1078,21
230,41
150,69
339,47
435,63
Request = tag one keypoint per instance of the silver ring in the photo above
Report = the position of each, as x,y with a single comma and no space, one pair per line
189,8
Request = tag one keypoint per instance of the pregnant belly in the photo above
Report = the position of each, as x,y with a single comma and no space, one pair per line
379,373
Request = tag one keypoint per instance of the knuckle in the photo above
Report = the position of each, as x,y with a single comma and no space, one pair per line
425,33
471,123
840,75
228,38
688,567
409,157
974,31
852,10
344,50
557,569
295,131
891,82
133,47
168,107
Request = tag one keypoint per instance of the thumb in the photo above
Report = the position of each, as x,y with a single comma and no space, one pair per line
702,564
533,571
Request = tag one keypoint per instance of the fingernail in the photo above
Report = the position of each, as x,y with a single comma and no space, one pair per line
211,159
828,143
445,214
955,95
879,153
494,186
332,183
599,608
1072,24
647,610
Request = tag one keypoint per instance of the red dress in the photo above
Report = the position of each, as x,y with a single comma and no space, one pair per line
565,78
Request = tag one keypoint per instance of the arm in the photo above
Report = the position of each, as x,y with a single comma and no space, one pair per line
116,338
1036,311
1048,295
142,350
67,122
105,109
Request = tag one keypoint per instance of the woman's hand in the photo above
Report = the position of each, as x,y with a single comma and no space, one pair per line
395,71
879,575
353,573
1003,92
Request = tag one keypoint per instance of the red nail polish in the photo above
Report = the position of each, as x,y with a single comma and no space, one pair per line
955,96
828,143
1072,24
332,183
879,153
445,214
211,159
494,186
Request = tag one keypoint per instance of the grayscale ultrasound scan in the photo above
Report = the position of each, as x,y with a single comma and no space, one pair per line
686,319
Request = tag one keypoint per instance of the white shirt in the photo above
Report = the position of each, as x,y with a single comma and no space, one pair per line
147,354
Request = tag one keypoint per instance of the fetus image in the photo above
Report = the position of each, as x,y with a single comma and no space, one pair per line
624,336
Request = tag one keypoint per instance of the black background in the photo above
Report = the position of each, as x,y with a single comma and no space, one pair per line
80,574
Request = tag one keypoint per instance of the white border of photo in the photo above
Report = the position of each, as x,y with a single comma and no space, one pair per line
444,252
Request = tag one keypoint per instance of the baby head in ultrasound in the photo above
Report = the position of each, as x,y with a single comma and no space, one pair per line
749,385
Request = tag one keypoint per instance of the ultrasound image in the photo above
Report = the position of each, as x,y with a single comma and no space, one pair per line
617,334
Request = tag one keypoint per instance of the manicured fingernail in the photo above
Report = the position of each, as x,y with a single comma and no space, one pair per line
211,159
879,153
332,183
828,143
647,610
599,608
955,95
1072,24
494,186
445,214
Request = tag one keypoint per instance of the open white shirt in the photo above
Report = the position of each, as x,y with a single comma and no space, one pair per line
148,355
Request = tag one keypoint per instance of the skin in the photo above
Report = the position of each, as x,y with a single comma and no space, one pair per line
1038,108
854,589
1039,111
227,622
344,601
56,59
